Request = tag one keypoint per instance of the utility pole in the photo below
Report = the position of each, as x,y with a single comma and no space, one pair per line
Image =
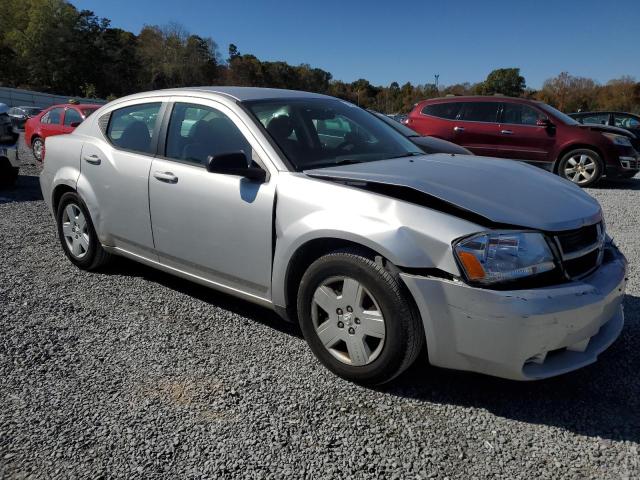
437,75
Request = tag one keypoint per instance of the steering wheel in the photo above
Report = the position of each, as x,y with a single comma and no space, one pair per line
349,139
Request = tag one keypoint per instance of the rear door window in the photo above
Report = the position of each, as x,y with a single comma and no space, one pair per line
480,112
54,117
518,114
448,111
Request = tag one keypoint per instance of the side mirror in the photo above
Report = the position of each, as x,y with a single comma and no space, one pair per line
74,124
544,122
234,163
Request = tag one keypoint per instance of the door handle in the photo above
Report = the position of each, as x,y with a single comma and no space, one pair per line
166,177
458,129
506,132
92,159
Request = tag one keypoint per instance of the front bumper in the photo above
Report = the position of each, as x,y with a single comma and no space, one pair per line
522,334
10,152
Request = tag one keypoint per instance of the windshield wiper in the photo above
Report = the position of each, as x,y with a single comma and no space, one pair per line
347,161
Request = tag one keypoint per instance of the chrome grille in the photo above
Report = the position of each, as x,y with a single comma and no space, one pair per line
581,250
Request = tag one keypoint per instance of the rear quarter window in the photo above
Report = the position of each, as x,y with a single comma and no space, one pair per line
448,111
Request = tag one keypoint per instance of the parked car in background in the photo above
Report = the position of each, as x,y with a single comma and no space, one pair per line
55,120
310,206
9,163
20,115
530,131
426,144
627,121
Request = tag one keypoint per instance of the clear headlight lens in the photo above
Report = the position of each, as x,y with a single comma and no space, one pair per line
503,256
618,139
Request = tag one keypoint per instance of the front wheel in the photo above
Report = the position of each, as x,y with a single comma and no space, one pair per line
357,318
582,167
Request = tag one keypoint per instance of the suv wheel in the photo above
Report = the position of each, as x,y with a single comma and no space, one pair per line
37,145
357,318
582,167
77,235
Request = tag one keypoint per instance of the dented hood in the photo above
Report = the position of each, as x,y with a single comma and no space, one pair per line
503,192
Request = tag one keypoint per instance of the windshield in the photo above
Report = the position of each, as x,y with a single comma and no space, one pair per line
318,132
563,117
406,131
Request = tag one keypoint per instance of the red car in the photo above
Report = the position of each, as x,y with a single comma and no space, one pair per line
530,131
55,120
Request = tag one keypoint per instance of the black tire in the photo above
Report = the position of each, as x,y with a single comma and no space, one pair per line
34,149
8,173
95,256
592,156
404,335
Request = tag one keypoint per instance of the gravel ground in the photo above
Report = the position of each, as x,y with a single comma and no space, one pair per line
132,373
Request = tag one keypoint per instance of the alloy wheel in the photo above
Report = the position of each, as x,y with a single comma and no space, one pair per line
75,230
580,168
37,149
348,321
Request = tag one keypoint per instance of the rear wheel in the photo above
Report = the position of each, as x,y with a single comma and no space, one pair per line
37,145
357,318
77,234
582,167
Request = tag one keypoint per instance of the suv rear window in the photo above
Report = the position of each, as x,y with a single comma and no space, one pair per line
480,112
443,110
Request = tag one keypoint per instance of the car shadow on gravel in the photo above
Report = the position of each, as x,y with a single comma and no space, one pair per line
618,184
26,189
601,400
256,313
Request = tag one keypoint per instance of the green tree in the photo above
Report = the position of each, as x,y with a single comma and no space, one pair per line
503,81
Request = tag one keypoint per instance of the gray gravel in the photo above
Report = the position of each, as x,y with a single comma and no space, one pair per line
132,373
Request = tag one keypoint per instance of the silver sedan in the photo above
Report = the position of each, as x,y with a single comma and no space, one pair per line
319,210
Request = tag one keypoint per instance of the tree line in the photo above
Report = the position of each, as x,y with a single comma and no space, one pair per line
50,46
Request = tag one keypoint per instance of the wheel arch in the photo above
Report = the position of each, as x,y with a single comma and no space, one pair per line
57,194
304,256
576,146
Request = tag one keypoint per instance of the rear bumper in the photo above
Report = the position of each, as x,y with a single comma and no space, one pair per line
522,334
10,152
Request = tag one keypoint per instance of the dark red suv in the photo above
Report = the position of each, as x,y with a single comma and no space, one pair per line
530,131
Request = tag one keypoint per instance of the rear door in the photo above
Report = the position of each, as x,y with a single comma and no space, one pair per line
521,138
115,171
477,128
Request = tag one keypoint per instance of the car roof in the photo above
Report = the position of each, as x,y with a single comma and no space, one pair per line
606,111
75,105
240,94
481,98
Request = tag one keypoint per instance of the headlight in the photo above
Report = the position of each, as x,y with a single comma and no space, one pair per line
489,258
618,139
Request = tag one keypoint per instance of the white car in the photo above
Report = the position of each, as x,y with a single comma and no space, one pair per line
313,207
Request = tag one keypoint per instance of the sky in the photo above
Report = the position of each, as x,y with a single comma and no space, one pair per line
385,41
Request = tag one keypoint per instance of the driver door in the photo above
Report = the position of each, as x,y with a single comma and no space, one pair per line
217,227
